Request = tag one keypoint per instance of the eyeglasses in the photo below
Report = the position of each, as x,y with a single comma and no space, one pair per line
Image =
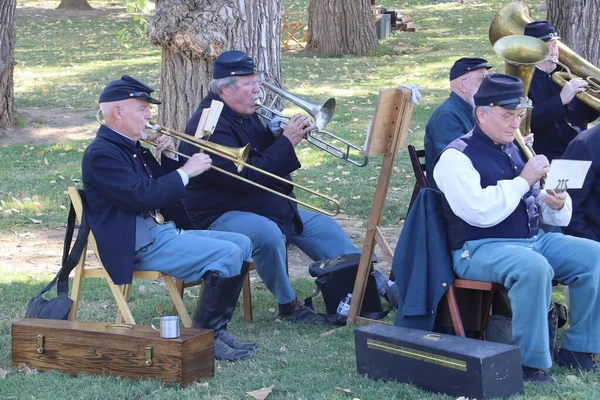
479,78
510,117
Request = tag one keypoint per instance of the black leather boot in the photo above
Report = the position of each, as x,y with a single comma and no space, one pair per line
215,308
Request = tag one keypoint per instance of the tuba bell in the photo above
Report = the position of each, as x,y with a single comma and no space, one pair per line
511,20
521,54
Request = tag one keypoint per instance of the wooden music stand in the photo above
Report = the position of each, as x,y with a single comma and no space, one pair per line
388,133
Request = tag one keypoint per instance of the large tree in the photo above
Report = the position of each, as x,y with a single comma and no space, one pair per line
340,27
578,23
192,33
7,62
74,5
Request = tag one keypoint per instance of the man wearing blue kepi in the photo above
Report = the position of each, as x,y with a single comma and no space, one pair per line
493,206
135,212
558,116
218,202
454,117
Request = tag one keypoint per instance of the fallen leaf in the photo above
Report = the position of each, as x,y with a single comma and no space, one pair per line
26,370
160,309
3,373
261,394
347,391
35,221
142,289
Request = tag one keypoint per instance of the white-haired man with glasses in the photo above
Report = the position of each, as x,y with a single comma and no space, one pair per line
493,206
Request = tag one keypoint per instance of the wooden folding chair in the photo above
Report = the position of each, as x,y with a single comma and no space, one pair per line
119,292
417,160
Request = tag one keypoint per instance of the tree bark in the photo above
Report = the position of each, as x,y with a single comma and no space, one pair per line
578,23
74,5
340,27
193,33
7,62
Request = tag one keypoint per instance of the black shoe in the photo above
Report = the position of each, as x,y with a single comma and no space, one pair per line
224,352
575,359
299,313
230,341
539,376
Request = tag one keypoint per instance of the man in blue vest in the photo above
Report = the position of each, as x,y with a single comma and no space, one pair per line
493,206
222,203
454,117
586,201
135,212
558,116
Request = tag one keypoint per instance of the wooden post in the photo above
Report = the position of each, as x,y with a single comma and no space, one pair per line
388,132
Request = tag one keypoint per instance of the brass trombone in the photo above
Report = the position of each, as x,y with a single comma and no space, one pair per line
239,157
321,114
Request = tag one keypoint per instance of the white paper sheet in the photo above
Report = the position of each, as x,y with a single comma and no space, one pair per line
569,173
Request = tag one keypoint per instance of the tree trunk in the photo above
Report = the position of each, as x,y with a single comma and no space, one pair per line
340,27
7,62
74,5
578,23
193,33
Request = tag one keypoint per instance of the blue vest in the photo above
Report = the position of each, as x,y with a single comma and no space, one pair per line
494,163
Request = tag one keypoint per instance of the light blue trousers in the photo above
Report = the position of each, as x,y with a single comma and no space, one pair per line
188,255
322,238
526,268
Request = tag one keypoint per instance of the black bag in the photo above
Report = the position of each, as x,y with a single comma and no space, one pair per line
335,279
58,307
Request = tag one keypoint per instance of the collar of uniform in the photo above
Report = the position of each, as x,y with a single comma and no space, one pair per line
111,135
460,102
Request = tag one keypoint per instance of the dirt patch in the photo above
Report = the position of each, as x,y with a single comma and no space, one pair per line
40,252
47,10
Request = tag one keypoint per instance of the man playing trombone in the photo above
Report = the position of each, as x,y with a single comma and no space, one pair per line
135,213
218,202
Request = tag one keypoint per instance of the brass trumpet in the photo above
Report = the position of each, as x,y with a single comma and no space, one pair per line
239,156
321,114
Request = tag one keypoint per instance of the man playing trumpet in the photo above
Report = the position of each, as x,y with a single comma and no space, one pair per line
218,202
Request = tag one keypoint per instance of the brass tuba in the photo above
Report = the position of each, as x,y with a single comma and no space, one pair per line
521,54
511,20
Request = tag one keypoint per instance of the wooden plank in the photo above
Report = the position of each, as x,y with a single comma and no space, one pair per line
391,100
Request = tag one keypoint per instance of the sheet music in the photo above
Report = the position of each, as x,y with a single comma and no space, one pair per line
567,174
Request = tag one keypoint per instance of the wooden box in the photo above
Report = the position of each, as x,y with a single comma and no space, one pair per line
132,351
439,363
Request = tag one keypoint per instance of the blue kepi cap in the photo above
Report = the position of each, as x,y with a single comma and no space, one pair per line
233,63
502,90
127,88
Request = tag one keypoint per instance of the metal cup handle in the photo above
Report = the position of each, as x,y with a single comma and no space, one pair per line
152,324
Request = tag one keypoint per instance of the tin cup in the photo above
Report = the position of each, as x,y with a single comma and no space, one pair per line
169,326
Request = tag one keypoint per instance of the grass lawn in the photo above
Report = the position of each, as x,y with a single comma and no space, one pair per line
65,62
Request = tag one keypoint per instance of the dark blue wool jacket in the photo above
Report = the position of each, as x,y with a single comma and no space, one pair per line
585,221
422,265
494,163
117,187
212,194
553,124
451,120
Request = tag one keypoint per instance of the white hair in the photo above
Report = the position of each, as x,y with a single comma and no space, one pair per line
216,84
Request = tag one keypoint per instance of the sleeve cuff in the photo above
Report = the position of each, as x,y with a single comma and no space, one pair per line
184,177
